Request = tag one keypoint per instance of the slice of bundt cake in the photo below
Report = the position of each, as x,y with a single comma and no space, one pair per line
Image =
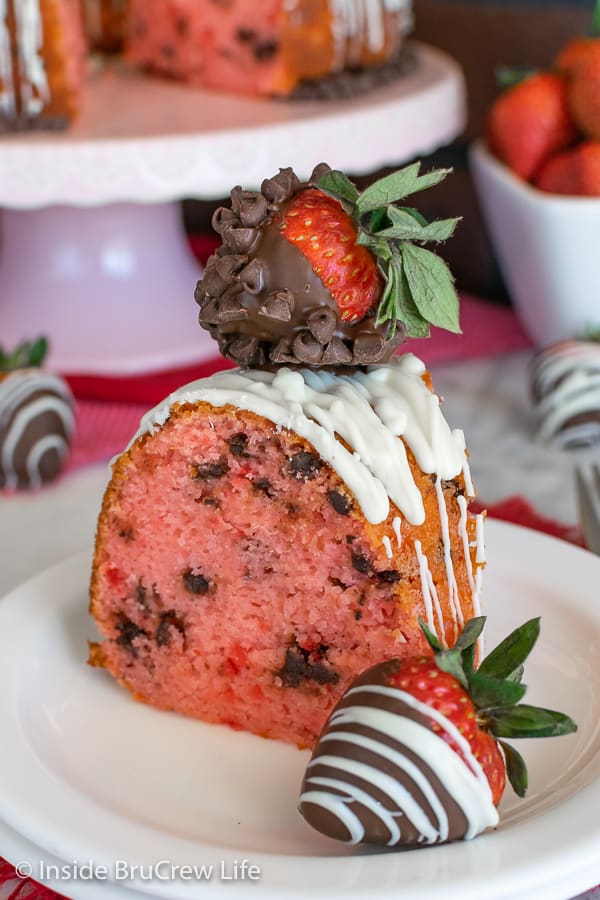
264,47
269,535
42,53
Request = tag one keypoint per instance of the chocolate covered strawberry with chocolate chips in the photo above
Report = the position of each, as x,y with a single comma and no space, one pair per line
316,273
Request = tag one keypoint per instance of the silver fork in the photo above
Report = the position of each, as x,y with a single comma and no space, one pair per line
587,483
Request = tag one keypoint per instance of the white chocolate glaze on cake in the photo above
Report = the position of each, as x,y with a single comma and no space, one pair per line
368,410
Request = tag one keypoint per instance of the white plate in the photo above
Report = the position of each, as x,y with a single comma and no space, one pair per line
88,775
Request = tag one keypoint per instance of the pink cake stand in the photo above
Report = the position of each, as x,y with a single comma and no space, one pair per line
92,249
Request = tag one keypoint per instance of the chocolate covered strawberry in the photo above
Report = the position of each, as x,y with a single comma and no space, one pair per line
316,273
414,752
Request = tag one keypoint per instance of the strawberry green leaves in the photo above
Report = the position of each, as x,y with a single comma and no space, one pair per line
28,354
496,690
419,287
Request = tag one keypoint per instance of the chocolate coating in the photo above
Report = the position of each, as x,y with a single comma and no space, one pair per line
261,300
378,773
36,426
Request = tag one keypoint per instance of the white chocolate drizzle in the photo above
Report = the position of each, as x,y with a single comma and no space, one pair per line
461,779
430,596
453,595
368,410
34,88
360,23
8,102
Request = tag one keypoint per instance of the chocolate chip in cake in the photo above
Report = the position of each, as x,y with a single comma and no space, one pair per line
141,596
209,470
455,486
238,444
336,582
168,620
305,466
361,563
181,26
389,576
350,538
126,534
245,35
302,665
265,50
340,503
195,583
128,633
357,615
264,486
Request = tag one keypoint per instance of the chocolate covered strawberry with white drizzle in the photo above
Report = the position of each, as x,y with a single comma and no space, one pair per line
36,418
413,754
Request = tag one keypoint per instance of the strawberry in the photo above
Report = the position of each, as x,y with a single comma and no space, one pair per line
576,53
584,95
530,122
574,172
325,234
380,772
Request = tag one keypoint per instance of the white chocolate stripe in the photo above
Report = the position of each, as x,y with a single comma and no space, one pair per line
36,454
21,420
399,760
35,91
362,23
8,105
337,805
18,386
396,525
369,411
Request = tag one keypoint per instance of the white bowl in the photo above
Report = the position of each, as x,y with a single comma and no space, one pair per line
548,248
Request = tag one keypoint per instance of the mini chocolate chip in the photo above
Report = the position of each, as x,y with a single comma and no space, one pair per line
361,563
211,501
362,600
282,352
319,171
357,615
340,503
229,309
252,276
221,217
321,323
245,350
126,534
278,306
368,348
128,632
281,187
263,485
209,312
307,348
336,582
455,486
254,209
229,267
390,576
245,35
209,470
350,538
238,238
301,665
169,619
305,466
265,50
195,583
141,597
336,353
238,444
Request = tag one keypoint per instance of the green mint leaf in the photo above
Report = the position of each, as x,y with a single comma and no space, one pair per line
488,693
470,633
512,651
432,639
431,286
450,661
398,185
400,305
528,721
337,185
516,770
